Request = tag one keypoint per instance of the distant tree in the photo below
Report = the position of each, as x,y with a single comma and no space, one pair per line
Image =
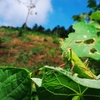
29,4
26,27
80,17
62,32
48,31
41,28
35,27
55,30
70,29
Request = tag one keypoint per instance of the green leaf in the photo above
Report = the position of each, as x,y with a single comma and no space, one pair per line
95,24
76,98
96,15
92,4
84,39
15,84
59,84
79,17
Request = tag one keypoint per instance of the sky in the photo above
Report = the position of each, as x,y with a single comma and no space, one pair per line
48,13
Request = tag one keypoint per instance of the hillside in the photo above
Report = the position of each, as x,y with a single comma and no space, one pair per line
28,49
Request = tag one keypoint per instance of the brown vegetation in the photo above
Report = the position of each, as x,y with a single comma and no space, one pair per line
33,53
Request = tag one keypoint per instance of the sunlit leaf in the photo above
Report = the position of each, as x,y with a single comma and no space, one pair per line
84,41
96,15
95,24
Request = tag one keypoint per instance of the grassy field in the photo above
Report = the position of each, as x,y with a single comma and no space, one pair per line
28,49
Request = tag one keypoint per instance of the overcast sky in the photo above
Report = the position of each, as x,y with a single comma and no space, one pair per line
50,13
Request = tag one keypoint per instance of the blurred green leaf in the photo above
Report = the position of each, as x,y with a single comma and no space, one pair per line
84,41
96,15
95,24
92,4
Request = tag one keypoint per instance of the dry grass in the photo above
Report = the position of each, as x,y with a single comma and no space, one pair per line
32,54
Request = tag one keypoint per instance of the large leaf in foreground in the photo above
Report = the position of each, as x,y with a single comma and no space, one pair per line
15,84
58,84
84,39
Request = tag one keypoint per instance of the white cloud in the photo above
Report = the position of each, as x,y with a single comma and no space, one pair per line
14,13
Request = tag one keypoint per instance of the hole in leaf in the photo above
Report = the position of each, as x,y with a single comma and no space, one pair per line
78,41
93,50
89,41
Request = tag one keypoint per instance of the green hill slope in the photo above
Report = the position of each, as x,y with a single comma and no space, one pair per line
29,50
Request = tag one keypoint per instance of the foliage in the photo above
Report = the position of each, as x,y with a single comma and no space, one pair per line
59,84
96,15
24,38
36,50
84,39
22,58
55,40
1,41
92,19
4,40
31,50
15,84
94,4
38,29
60,31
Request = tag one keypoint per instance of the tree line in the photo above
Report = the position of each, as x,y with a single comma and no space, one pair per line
59,31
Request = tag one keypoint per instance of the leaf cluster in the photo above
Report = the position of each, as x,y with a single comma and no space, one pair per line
59,84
